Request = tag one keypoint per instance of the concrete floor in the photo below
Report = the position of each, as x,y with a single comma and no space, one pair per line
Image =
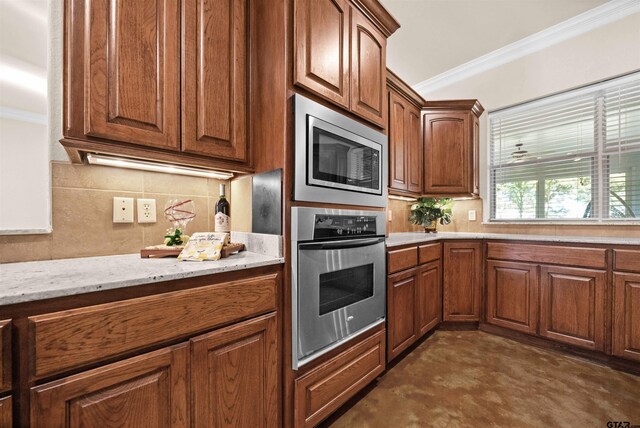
474,379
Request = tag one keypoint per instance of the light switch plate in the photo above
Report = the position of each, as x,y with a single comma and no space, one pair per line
122,210
472,215
146,210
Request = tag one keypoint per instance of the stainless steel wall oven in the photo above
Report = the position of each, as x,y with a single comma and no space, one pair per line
338,278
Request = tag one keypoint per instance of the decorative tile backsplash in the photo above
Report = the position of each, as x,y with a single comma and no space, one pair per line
82,212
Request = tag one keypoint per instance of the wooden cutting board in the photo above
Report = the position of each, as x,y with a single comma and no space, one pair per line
155,253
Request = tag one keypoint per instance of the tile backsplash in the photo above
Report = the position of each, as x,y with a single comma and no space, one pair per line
82,212
460,223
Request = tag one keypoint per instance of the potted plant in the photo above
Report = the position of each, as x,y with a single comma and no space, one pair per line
428,211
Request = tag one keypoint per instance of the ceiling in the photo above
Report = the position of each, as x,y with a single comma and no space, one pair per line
437,35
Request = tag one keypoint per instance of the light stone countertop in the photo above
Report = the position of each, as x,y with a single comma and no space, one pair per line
30,281
404,238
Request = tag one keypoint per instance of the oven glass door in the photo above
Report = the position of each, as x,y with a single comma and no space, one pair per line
340,290
341,159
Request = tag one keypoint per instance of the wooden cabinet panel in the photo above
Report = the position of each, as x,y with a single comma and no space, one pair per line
627,260
321,391
5,355
321,48
67,339
6,412
401,322
429,252
398,150
572,306
132,72
428,304
235,375
398,260
446,153
462,283
148,390
512,295
214,87
626,316
414,150
561,255
368,69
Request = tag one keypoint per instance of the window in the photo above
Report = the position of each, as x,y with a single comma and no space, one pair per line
572,156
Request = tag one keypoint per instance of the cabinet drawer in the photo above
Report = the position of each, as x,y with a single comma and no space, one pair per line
628,260
324,389
63,340
5,355
429,252
559,255
398,260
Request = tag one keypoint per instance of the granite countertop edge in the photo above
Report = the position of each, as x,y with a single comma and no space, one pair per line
34,281
406,238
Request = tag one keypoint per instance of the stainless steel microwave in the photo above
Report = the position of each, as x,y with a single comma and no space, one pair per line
337,160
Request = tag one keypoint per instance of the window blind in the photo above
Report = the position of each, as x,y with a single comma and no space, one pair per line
571,156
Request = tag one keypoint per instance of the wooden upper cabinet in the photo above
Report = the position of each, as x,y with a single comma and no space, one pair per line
451,147
321,48
462,282
149,390
132,71
512,295
572,306
626,315
414,146
234,375
398,150
369,69
214,86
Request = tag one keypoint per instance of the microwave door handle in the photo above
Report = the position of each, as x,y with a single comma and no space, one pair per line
341,244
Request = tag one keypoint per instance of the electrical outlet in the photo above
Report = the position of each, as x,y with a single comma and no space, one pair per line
389,215
146,210
122,210
472,215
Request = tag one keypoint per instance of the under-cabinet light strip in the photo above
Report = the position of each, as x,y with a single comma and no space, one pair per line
402,198
94,159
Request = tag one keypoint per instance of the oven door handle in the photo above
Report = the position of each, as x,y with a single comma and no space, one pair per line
339,245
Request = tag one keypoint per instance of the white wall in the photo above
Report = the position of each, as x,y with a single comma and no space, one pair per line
605,52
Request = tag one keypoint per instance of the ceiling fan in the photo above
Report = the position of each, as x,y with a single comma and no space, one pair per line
519,155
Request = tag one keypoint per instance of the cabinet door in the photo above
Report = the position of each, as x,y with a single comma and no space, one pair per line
413,155
368,69
512,295
401,327
6,412
428,306
397,142
462,283
626,315
132,71
321,48
214,87
572,306
446,153
150,390
5,355
234,375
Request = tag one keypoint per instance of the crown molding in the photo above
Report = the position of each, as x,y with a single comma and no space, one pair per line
611,11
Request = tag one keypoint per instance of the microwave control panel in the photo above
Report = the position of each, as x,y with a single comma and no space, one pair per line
343,226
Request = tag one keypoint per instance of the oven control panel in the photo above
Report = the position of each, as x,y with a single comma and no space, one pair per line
343,226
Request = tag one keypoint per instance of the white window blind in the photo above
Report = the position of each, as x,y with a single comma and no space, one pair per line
571,156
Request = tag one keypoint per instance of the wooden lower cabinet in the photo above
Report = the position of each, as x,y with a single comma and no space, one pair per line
428,302
462,281
512,295
6,412
572,306
234,375
401,317
148,390
626,315
320,392
5,355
